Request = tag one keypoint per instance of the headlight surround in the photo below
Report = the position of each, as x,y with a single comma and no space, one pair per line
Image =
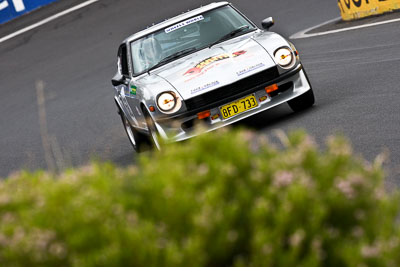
168,102
284,57
294,49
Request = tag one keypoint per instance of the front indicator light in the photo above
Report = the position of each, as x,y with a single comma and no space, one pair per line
271,88
203,115
216,116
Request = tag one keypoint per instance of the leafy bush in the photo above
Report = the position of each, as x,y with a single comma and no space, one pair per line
222,199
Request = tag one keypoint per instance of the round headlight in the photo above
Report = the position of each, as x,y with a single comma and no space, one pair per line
284,57
166,101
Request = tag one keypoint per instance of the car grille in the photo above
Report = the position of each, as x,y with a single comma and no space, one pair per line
245,84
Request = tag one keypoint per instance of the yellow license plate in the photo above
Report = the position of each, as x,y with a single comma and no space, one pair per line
238,106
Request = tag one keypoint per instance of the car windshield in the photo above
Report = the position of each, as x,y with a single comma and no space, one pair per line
187,36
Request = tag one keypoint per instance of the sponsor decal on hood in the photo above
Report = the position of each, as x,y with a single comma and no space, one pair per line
204,87
204,63
209,69
250,69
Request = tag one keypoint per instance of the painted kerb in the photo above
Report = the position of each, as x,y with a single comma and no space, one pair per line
355,9
10,9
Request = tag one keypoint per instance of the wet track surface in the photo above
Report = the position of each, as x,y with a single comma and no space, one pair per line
355,76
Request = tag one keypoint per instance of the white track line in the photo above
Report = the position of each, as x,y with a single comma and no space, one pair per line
303,34
47,20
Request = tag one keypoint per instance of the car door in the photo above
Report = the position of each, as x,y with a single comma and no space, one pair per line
133,94
125,91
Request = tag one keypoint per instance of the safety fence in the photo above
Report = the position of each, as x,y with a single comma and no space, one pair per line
356,9
10,9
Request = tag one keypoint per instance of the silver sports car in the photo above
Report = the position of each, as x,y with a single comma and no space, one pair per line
211,66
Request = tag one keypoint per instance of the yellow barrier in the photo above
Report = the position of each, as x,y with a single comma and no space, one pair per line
355,9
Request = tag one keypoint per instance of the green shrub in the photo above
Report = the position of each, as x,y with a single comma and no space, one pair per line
222,199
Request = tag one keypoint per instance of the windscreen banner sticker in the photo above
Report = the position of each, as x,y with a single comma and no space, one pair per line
184,24
250,69
204,87
201,65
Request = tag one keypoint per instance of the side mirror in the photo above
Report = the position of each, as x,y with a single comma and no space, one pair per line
267,23
118,79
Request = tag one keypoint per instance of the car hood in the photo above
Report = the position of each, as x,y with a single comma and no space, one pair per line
214,67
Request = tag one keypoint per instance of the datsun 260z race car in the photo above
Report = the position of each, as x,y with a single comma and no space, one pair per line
210,65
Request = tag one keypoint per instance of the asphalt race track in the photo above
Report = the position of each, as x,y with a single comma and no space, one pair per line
355,76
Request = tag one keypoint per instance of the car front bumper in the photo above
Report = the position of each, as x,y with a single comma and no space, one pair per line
291,85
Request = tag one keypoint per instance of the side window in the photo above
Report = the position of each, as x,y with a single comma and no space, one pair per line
123,60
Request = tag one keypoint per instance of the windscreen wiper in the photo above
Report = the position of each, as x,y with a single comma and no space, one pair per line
172,57
230,35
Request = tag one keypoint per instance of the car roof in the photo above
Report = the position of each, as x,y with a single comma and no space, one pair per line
174,20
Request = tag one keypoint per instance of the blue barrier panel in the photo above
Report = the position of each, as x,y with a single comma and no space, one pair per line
10,9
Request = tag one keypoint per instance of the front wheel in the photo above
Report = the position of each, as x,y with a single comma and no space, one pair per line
303,101
138,141
155,139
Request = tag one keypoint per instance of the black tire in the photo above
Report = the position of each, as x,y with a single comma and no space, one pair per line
303,101
153,133
139,141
